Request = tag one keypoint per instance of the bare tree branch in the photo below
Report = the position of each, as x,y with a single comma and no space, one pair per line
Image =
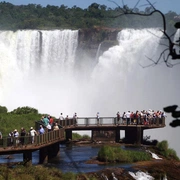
171,45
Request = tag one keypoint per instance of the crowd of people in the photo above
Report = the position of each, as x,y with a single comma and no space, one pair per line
18,137
144,117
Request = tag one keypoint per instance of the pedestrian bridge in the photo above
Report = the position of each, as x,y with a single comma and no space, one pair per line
48,143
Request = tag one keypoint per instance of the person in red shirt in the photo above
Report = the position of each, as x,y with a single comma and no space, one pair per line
51,121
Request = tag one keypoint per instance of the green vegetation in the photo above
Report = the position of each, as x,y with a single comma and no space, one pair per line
35,172
76,136
39,173
164,150
20,117
34,16
117,154
25,110
3,109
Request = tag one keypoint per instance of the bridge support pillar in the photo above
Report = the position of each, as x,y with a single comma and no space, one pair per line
134,135
53,150
68,135
43,155
117,137
27,158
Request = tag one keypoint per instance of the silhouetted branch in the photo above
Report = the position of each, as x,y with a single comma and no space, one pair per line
175,114
175,123
171,50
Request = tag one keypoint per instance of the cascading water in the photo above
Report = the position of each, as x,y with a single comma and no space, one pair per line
37,69
33,64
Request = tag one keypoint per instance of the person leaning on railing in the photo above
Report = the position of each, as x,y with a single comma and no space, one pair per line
32,134
56,127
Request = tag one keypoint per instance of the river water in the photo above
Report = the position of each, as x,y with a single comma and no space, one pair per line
71,159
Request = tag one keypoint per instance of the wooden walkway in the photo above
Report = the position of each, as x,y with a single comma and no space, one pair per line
10,145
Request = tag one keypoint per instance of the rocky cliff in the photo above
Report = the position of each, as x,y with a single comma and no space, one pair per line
91,39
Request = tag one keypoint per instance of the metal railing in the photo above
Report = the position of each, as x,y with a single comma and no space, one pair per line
92,121
37,140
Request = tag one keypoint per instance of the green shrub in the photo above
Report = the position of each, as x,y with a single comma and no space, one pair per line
163,145
172,154
76,136
85,136
112,154
3,109
106,154
165,151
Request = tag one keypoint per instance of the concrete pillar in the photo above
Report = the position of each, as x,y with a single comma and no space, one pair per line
53,150
27,158
117,137
138,136
43,155
68,135
133,135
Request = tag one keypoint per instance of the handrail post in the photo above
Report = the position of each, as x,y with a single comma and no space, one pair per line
163,121
115,121
4,142
157,121
87,121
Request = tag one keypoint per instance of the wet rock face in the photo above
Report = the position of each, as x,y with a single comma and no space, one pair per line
90,39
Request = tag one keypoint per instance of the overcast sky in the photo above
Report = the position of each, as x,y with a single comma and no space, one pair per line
162,5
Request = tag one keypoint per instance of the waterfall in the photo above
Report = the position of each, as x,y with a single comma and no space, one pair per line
98,51
31,62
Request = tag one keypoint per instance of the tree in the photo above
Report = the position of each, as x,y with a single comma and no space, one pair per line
170,50
3,109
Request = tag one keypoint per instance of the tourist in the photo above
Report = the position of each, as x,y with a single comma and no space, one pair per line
41,130
0,135
49,127
61,117
22,134
75,119
56,127
124,118
32,134
118,118
45,121
97,118
51,121
136,118
67,121
128,117
16,135
132,117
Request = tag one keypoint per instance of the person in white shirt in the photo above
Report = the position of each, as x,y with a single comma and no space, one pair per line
75,119
128,114
97,117
61,117
32,134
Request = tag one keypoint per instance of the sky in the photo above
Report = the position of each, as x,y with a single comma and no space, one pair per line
162,5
